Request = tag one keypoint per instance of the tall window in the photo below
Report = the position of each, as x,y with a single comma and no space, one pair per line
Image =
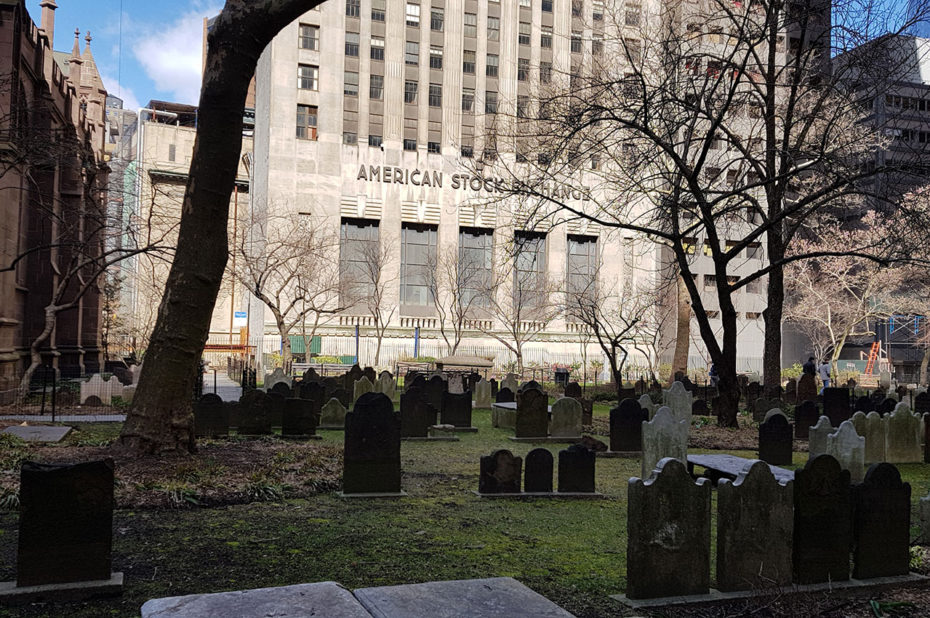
412,54
410,145
597,45
376,87
377,10
547,6
494,28
410,92
545,37
413,15
353,8
632,15
377,48
468,62
470,25
436,19
529,268
308,77
351,84
306,122
523,38
490,69
523,104
582,265
474,266
523,69
490,102
358,259
576,43
352,44
435,95
435,57
468,99
374,140
545,72
417,257
308,37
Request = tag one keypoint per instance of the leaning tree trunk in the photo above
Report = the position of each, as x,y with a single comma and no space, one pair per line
35,351
160,418
682,332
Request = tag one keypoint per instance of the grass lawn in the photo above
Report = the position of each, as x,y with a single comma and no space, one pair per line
572,551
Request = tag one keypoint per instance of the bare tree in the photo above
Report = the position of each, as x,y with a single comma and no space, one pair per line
461,283
366,281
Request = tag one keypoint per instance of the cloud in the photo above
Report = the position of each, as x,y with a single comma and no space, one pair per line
116,89
172,55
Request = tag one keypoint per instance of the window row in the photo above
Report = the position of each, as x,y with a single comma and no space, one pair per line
412,11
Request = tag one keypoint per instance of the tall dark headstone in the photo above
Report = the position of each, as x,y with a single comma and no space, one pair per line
416,415
776,439
822,522
806,416
211,417
504,395
699,408
456,409
281,388
372,447
494,387
573,389
807,388
414,380
275,405
791,391
886,406
587,410
311,390
310,375
882,526
301,417
576,469
922,403
370,373
330,385
253,415
344,396
529,385
65,523
668,533
537,478
864,404
532,420
626,426
500,473
753,391
836,405
434,390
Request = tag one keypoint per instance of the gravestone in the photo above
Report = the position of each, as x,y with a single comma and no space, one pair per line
281,388
532,384
587,410
510,381
699,408
626,427
753,391
902,436
386,384
371,374
415,380
645,402
538,475
211,417
253,415
679,400
884,380
344,397
505,395
822,522
456,409
333,415
434,390
836,405
566,419
576,469
330,385
416,415
791,391
805,415
848,448
874,434
456,384
776,439
104,390
494,387
483,394
817,440
361,387
886,405
65,523
277,375
901,392
573,389
372,447
864,404
274,404
882,525
310,375
301,417
755,524
532,419
922,403
353,375
761,407
807,388
500,473
663,436
668,532
311,390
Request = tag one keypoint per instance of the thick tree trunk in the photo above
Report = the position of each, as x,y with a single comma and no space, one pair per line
772,317
35,354
160,419
682,331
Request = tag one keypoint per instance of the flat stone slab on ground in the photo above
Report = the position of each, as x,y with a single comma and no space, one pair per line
511,405
715,596
547,439
729,466
555,494
298,601
38,433
502,597
11,594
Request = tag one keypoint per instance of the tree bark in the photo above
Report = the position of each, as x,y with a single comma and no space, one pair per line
682,331
773,316
160,419
924,362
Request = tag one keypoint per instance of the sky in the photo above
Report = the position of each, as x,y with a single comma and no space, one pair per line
144,49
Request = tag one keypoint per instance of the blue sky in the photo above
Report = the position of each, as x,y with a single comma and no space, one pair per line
158,55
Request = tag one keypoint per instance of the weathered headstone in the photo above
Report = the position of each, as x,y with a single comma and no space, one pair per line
817,439
274,404
510,381
301,417
663,436
276,376
370,373
310,375
566,419
333,415
836,405
807,388
494,388
361,387
884,380
532,419
537,477
874,434
576,470
500,473
806,415
386,384
882,525
505,395
822,522
456,409
483,394
281,388
679,400
645,402
791,391
211,417
311,390
626,427
372,447
668,532
65,523
253,415
848,448
776,439
416,415
573,389
755,525
902,436
456,384
587,410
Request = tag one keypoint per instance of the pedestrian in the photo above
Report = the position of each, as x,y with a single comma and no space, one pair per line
809,368
824,371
